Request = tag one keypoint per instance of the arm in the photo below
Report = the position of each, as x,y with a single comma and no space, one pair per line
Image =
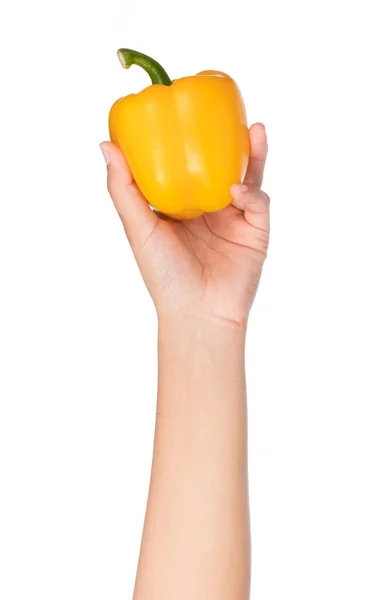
196,535
202,275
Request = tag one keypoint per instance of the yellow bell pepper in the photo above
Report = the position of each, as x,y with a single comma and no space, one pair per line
186,142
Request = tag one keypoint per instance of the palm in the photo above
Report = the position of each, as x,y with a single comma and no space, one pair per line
213,261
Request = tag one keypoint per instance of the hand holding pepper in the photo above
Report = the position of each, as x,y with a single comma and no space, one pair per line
207,267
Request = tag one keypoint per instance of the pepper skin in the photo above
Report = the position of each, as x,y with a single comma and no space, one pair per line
186,142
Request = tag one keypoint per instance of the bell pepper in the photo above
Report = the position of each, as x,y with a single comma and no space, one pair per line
186,141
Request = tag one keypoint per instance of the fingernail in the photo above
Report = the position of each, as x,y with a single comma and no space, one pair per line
239,188
106,154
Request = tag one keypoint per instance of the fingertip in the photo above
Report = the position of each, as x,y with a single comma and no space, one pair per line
105,152
116,163
258,127
258,139
238,188
112,150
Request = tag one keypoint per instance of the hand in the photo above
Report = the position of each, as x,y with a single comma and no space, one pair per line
205,267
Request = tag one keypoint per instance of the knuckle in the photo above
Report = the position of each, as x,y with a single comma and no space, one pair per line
265,196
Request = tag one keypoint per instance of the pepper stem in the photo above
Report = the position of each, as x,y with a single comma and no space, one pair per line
154,69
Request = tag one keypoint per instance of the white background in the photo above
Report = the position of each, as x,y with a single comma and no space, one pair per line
78,331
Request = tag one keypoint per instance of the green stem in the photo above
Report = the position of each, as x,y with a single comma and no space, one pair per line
153,68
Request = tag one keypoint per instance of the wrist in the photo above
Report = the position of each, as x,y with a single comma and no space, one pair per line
200,321
204,329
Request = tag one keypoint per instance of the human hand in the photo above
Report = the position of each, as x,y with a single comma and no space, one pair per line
208,267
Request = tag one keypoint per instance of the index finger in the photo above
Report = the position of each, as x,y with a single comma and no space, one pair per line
258,153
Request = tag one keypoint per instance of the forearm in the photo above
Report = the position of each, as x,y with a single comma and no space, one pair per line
196,543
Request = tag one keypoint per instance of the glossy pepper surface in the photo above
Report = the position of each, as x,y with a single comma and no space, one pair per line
186,141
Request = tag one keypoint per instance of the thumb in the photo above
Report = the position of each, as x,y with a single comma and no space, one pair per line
135,213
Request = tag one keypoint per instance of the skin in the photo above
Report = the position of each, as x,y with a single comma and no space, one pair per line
202,275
